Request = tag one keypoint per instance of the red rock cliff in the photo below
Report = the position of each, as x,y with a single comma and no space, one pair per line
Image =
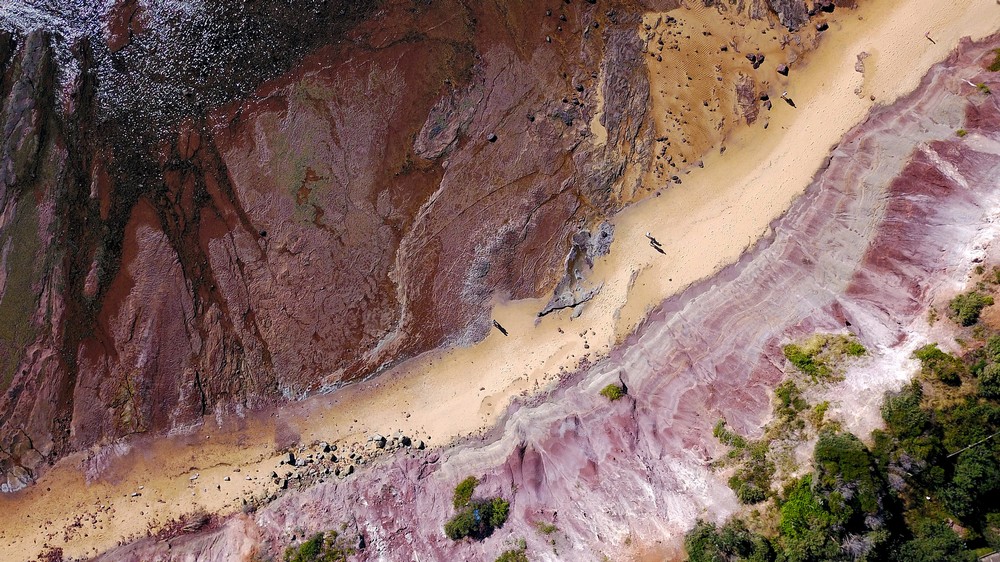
207,208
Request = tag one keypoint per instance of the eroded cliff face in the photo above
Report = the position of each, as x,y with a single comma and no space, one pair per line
884,227
212,207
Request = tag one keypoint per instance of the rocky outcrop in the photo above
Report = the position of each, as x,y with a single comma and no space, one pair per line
791,13
880,231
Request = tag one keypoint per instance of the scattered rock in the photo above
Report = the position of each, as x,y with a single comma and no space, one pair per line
783,70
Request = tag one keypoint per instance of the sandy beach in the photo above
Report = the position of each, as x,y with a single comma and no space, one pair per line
704,223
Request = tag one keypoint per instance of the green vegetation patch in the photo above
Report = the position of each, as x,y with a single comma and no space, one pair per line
733,541
819,355
752,480
966,307
943,366
475,519
546,528
613,392
961,133
321,547
927,488
995,65
463,492
512,555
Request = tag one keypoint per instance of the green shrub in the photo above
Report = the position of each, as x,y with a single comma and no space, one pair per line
946,367
818,414
546,528
804,361
989,381
752,481
790,401
464,491
935,541
613,392
961,133
321,547
708,543
992,349
844,463
478,519
805,525
463,524
995,65
991,531
902,413
982,87
499,510
513,555
966,307
816,355
728,438
854,348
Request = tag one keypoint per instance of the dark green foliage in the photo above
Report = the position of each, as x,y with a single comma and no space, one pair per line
992,348
613,392
805,525
478,519
513,555
463,524
991,530
464,491
844,466
934,541
321,547
946,367
789,400
708,543
752,481
966,307
902,413
987,368
499,509
928,489
989,381
309,550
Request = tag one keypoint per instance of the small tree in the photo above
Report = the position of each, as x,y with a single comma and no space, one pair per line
464,491
966,307
613,392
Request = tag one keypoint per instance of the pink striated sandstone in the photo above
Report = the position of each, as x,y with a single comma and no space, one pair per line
882,229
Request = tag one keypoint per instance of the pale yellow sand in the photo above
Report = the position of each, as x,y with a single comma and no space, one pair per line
704,224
